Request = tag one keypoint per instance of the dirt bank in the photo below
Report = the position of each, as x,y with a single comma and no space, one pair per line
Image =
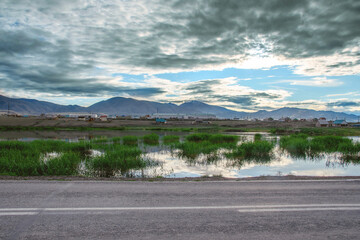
68,123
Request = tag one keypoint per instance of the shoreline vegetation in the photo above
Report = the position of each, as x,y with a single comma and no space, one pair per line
114,157
302,145
312,131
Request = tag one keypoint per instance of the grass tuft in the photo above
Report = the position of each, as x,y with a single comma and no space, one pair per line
151,139
119,159
300,145
130,140
253,150
205,143
171,139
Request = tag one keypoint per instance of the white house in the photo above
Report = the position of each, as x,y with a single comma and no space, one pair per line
103,118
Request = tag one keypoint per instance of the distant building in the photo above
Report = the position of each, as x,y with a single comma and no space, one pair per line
160,120
103,118
184,116
199,121
77,115
322,123
340,123
202,116
170,115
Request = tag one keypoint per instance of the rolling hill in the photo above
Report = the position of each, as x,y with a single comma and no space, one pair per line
130,106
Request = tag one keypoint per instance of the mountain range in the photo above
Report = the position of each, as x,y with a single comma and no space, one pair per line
129,106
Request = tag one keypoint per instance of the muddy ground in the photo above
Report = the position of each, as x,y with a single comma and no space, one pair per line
68,123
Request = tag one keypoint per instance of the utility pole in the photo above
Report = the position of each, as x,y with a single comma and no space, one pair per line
8,113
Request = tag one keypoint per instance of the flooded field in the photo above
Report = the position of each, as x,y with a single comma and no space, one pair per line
186,158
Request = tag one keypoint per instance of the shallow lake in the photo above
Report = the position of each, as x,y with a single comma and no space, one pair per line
167,163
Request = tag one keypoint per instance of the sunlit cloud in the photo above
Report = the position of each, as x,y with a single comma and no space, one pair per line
315,82
72,50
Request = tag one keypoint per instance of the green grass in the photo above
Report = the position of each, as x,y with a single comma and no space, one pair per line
66,164
220,138
212,138
297,144
26,158
328,143
130,140
300,145
116,139
316,131
252,150
312,131
122,128
257,137
349,149
198,137
100,140
171,139
192,150
151,139
120,159
33,159
205,143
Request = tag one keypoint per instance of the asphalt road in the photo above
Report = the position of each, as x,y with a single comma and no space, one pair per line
180,210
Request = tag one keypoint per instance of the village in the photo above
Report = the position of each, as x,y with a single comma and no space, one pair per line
198,119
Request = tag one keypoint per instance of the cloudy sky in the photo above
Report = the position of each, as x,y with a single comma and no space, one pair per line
243,55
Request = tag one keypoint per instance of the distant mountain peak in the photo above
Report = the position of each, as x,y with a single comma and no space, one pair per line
130,106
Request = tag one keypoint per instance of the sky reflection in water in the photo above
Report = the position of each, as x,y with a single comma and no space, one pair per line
171,166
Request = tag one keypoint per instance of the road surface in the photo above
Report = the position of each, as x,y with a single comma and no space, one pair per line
328,209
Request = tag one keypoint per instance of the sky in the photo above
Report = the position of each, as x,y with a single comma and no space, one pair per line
242,55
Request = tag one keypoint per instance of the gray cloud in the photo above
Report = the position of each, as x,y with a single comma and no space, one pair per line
344,104
56,47
207,91
202,87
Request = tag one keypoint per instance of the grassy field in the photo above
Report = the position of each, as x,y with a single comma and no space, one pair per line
216,126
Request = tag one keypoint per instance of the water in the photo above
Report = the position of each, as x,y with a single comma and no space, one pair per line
281,164
166,162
